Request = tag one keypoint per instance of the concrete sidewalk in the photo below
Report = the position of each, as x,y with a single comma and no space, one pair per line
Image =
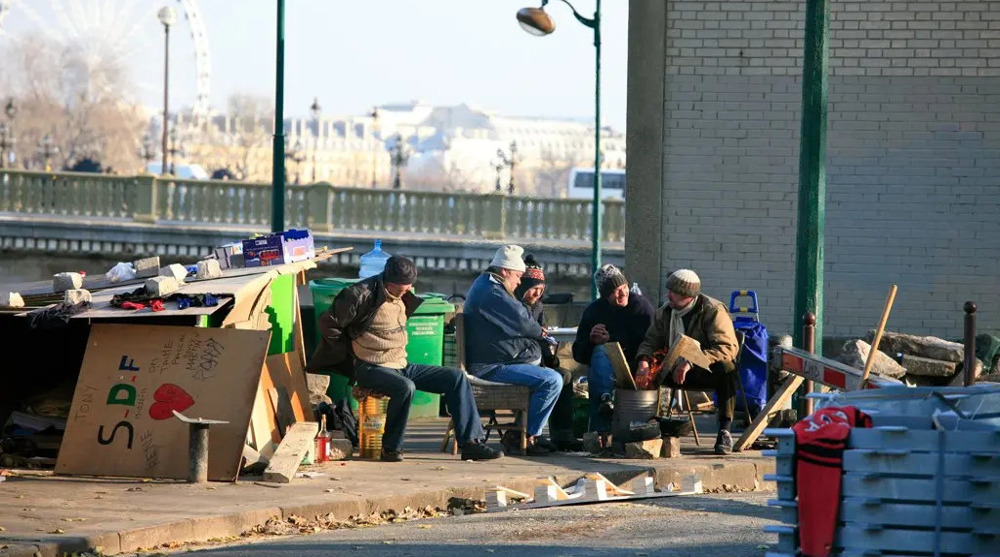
47,515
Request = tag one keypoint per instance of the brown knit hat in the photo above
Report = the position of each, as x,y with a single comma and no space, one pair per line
684,282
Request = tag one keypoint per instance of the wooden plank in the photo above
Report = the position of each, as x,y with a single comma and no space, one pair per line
298,442
751,433
623,375
687,348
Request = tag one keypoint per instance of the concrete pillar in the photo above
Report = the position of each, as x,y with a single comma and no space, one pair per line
647,62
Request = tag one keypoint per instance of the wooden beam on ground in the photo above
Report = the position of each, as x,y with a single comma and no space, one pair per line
753,431
298,442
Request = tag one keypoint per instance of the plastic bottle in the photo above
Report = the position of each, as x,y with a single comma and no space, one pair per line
635,289
373,262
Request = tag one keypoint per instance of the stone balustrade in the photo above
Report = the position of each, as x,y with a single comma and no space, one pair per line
321,207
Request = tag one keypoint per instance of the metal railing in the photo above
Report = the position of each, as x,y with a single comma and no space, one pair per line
321,207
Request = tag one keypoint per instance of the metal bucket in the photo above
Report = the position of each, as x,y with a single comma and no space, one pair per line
632,406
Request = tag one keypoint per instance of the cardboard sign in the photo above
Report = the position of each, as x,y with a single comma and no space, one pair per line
133,376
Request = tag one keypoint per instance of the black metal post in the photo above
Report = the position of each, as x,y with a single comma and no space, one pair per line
969,365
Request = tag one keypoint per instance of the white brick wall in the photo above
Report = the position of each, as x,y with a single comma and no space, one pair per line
913,167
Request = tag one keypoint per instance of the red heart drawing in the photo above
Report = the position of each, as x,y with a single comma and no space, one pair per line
169,397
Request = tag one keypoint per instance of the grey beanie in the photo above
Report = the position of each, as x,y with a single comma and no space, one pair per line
609,278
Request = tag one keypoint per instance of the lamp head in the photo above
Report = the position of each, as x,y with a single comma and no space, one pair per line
10,109
167,16
315,109
535,21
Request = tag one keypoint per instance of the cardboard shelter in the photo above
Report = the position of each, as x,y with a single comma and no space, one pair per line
242,362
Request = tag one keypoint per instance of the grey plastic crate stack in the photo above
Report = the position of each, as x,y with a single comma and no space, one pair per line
907,488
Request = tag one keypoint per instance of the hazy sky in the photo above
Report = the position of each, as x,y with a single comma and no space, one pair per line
355,54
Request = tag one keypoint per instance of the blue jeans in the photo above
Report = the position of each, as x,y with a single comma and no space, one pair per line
600,381
399,384
543,382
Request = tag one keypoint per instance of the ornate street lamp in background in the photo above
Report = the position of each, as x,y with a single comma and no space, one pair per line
7,136
46,150
146,151
175,149
296,155
315,111
537,22
167,17
375,148
511,163
400,156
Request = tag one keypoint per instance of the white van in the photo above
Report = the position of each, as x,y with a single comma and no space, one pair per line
182,171
581,184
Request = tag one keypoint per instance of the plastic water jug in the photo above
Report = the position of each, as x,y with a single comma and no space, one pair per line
635,289
373,262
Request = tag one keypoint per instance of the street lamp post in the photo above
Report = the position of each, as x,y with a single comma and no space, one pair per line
375,147
167,17
315,111
6,142
507,162
147,150
278,145
7,137
175,148
400,157
536,22
296,155
46,150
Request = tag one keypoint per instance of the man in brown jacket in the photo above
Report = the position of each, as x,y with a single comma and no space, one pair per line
707,320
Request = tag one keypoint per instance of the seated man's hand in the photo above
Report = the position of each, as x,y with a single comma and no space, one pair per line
599,334
680,371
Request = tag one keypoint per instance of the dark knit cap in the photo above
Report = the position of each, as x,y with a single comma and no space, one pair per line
399,270
608,279
532,277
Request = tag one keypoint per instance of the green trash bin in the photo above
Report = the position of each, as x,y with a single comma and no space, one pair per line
425,330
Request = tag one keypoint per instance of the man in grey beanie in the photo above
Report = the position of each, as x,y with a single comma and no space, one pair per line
707,320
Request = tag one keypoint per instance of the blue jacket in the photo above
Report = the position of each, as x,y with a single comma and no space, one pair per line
498,328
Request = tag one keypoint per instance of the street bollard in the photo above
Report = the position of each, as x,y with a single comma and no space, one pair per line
809,340
197,446
969,365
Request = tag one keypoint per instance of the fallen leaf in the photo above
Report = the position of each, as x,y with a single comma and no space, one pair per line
330,490
425,526
58,531
404,479
387,542
147,480
2,529
19,496
763,546
441,468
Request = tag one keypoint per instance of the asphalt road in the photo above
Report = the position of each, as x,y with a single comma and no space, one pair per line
729,525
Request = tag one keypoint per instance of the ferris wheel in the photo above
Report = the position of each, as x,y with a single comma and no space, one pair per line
112,26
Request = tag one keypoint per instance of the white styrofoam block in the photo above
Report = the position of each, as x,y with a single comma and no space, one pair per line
148,267
76,296
66,281
11,299
161,286
175,271
209,268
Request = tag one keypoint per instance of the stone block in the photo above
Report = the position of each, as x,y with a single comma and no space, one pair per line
595,443
928,367
209,268
76,296
644,449
11,299
148,267
175,271
925,347
318,384
66,281
855,354
161,286
340,449
671,447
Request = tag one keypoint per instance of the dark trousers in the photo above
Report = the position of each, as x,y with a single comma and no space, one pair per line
399,385
720,377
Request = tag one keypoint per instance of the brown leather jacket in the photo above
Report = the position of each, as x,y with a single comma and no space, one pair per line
709,323
350,315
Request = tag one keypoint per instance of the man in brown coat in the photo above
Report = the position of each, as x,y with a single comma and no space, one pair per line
707,320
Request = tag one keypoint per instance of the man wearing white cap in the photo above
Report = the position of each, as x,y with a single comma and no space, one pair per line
502,341
707,320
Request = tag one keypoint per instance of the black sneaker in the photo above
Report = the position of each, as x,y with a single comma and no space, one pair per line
534,449
511,442
391,456
544,443
475,450
724,443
